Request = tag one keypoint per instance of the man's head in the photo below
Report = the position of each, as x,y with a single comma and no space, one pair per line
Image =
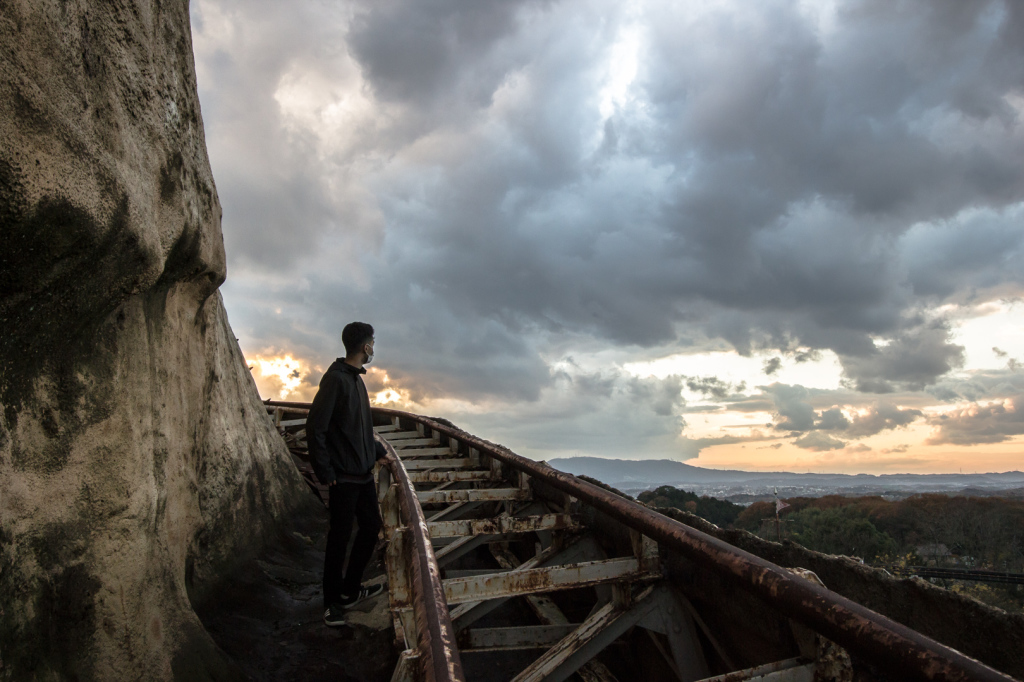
358,340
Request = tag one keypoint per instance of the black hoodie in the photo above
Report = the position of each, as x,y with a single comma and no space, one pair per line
339,428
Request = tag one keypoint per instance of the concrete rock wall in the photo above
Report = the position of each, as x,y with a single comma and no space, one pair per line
136,462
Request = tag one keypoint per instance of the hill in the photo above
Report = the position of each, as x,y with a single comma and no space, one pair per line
633,476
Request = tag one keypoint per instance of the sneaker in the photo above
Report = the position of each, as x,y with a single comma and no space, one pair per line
362,595
334,616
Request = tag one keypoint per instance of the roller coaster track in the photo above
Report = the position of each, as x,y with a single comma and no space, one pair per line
502,568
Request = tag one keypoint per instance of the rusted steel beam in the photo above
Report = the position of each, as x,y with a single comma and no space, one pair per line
424,452
439,654
518,637
901,650
595,633
454,463
789,670
476,495
499,525
538,580
414,442
402,435
447,476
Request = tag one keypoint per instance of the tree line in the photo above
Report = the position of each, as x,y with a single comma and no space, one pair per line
925,529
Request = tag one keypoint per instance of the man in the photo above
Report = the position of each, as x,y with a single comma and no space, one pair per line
339,430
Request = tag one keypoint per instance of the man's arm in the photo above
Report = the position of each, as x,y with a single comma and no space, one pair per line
317,422
379,448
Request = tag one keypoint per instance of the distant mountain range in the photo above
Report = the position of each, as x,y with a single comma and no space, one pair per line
633,476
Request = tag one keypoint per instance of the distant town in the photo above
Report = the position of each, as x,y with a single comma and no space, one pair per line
746,487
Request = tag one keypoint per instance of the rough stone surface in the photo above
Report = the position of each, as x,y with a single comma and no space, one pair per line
136,462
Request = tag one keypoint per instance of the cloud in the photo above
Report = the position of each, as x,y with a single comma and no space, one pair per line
572,414
493,183
818,442
992,423
911,361
978,385
713,387
832,420
664,396
881,417
795,413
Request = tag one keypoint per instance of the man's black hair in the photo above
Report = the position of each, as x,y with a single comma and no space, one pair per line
354,335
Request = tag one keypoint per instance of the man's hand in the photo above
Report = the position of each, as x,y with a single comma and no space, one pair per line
333,482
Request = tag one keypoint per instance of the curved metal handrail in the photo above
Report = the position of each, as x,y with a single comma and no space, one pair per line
440,661
859,629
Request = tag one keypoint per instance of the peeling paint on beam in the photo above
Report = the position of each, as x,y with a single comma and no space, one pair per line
862,631
539,580
419,464
414,442
500,525
448,476
519,637
479,495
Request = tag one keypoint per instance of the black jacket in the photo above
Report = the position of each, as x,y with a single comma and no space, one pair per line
339,428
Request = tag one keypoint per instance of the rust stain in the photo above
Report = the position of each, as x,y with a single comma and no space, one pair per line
862,631
845,622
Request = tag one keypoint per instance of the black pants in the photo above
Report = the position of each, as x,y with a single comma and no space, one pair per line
349,501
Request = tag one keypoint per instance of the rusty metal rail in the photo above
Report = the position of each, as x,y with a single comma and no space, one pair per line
463,471
434,635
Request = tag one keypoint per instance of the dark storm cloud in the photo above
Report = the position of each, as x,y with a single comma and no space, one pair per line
795,413
664,396
913,360
769,179
418,51
832,420
991,423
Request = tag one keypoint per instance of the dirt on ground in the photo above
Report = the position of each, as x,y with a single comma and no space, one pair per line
268,617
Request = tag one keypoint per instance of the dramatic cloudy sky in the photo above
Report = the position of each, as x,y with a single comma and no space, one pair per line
762,235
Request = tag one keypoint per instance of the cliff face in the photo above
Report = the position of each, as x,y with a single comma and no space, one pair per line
136,462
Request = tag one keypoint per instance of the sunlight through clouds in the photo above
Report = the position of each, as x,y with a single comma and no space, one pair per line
279,377
727,232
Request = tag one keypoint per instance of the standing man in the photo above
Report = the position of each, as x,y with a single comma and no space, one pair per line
339,430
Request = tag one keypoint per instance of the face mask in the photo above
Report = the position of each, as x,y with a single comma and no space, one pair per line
369,359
